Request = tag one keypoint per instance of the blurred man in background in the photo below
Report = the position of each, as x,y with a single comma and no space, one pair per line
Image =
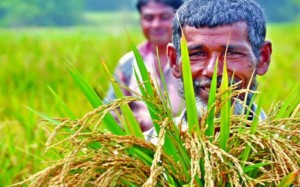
156,21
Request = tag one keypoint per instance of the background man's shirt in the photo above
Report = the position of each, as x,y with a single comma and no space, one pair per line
125,75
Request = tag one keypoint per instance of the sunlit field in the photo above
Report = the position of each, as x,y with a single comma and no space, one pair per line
284,69
33,64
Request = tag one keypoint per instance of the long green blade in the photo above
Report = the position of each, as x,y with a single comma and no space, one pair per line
255,166
131,126
290,104
62,104
210,105
256,117
225,110
146,87
147,91
150,106
288,180
86,89
253,128
143,70
53,121
95,101
165,96
191,109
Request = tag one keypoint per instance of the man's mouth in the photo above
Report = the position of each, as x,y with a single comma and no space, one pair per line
203,93
157,32
203,85
202,88
207,89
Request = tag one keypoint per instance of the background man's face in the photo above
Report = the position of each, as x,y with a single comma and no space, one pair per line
207,45
156,22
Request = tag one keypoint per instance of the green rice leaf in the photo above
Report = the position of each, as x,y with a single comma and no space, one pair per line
150,106
143,70
290,104
178,153
62,104
192,114
166,102
225,110
254,167
256,116
147,92
191,110
131,126
146,87
95,101
126,183
246,96
140,154
53,121
248,111
210,105
141,86
253,128
171,181
94,145
179,149
288,180
86,89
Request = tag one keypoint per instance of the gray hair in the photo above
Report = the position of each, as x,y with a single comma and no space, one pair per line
214,13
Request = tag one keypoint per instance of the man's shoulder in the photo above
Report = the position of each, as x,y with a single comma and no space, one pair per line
125,59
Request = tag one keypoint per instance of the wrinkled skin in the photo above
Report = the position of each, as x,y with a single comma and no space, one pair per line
207,45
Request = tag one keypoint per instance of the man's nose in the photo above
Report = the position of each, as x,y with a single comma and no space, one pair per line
156,22
210,65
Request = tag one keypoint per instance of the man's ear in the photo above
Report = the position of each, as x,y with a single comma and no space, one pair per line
172,56
264,58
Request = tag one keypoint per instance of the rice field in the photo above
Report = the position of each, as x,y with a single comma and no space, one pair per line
33,63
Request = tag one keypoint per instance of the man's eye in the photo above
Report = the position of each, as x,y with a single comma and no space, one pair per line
166,17
231,53
148,17
197,54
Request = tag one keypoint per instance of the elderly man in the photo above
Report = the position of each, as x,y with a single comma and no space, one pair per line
208,25
156,22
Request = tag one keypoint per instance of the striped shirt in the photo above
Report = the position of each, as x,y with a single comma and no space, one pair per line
124,74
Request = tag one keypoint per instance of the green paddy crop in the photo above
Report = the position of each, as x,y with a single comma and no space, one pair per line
96,149
34,60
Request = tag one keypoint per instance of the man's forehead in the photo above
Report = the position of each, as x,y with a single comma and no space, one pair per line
242,25
237,30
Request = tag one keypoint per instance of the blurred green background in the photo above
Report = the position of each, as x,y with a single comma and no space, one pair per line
17,13
37,39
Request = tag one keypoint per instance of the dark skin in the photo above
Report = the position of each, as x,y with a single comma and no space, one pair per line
206,45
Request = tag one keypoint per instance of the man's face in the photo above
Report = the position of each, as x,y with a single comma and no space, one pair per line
156,22
207,45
